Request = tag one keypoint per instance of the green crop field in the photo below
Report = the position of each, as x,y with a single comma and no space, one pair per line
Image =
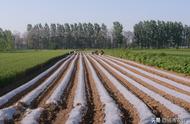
16,62
177,60
176,52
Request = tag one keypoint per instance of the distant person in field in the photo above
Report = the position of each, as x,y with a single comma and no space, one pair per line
101,52
72,52
96,52
93,52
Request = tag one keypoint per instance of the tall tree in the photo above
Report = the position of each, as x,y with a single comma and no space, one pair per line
67,35
97,40
104,37
160,34
53,38
46,33
29,36
117,34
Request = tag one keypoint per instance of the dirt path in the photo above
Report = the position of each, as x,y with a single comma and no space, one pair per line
89,117
98,115
129,113
63,114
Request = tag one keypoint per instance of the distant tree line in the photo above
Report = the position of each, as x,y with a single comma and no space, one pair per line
6,40
146,34
160,34
77,35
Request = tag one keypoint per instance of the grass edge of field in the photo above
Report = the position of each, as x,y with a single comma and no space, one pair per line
35,70
139,52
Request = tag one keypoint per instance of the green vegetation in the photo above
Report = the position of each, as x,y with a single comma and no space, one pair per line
6,40
146,34
17,62
77,35
177,60
161,34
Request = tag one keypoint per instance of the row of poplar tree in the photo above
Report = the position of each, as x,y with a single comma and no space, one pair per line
6,40
160,34
146,34
77,35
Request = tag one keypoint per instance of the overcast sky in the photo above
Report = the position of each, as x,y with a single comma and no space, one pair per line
16,14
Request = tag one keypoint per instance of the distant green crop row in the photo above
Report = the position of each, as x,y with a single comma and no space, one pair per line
16,62
169,59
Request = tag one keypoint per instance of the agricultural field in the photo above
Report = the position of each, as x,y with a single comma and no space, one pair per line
176,60
96,89
17,63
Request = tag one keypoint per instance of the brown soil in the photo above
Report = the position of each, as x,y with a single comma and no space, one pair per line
157,108
52,111
154,79
56,114
43,98
40,101
98,106
88,118
63,114
130,114
173,99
